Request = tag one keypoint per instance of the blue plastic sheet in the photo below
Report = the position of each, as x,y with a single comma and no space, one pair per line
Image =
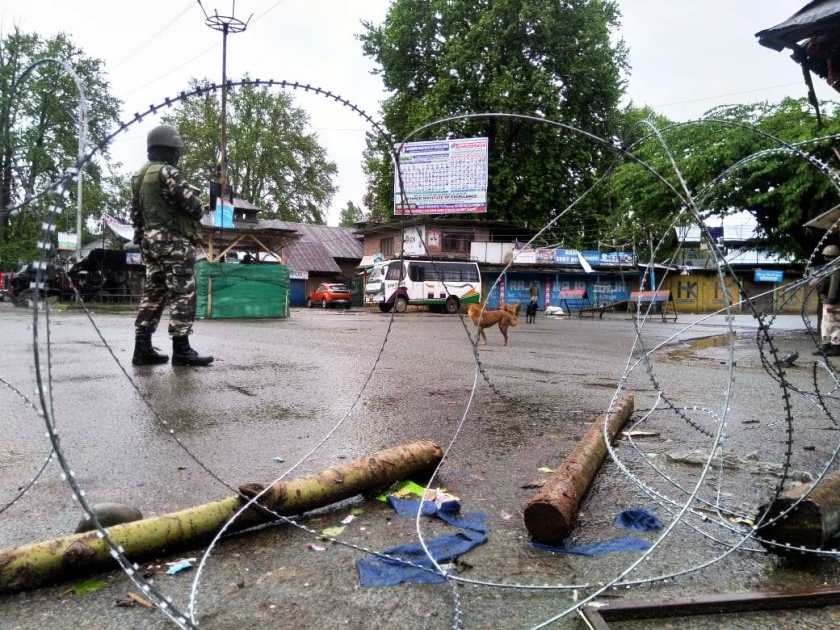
638,520
472,532
448,513
598,548
376,571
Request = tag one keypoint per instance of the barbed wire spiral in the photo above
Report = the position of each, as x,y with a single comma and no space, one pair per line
705,512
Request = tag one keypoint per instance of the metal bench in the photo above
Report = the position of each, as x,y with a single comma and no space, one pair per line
659,302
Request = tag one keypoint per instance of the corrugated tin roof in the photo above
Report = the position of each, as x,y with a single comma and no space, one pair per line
305,256
243,204
340,242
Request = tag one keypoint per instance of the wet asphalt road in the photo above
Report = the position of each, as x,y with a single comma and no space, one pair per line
277,387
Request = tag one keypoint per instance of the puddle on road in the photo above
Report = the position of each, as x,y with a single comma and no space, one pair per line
689,349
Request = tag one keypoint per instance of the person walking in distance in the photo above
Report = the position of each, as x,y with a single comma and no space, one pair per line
829,288
166,214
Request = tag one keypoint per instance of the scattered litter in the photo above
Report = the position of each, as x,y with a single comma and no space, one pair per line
182,467
545,469
737,520
809,448
133,599
554,311
356,511
88,586
749,422
789,359
506,516
277,459
313,547
332,532
348,519
748,463
641,434
638,520
402,489
601,548
181,565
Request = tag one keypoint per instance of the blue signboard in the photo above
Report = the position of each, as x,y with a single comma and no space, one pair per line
769,275
566,257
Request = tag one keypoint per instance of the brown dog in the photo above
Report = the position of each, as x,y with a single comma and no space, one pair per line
504,319
512,308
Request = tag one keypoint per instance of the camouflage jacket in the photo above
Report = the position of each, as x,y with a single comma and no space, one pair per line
161,199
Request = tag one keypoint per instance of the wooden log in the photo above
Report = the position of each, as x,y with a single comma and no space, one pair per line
552,511
36,564
813,523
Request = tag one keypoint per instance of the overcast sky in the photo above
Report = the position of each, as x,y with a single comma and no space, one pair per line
687,56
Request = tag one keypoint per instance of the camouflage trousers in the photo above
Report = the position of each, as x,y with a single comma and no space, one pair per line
169,261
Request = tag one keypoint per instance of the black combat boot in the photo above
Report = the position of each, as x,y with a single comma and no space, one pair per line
182,354
144,353
823,349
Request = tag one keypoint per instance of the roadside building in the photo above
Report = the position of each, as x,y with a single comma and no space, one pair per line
605,277
695,283
320,253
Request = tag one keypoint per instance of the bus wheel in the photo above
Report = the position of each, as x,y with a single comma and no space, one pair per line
384,307
452,305
401,305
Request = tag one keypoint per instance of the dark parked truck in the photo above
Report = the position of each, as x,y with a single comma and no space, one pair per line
108,273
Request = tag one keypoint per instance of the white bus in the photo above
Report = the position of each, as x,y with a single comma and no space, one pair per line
438,284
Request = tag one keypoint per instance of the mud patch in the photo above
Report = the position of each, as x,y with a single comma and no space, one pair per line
691,350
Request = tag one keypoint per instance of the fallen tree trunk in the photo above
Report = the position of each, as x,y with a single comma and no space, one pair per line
36,564
812,523
551,512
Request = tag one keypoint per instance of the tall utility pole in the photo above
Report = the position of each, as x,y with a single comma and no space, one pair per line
226,25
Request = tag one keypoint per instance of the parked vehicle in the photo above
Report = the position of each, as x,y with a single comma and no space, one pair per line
438,284
106,272
330,294
20,287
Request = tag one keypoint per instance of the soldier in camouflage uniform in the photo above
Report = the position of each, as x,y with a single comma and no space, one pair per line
166,213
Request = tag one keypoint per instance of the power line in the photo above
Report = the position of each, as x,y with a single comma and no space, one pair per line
711,98
152,37
270,9
173,70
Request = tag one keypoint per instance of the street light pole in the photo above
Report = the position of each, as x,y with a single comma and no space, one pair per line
82,134
226,25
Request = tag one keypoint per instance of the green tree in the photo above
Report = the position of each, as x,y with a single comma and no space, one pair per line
38,133
781,190
439,58
350,214
274,161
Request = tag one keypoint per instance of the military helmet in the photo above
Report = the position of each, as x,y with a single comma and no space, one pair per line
164,136
831,251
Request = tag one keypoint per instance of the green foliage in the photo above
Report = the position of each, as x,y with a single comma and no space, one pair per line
781,190
439,58
38,133
350,214
274,162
